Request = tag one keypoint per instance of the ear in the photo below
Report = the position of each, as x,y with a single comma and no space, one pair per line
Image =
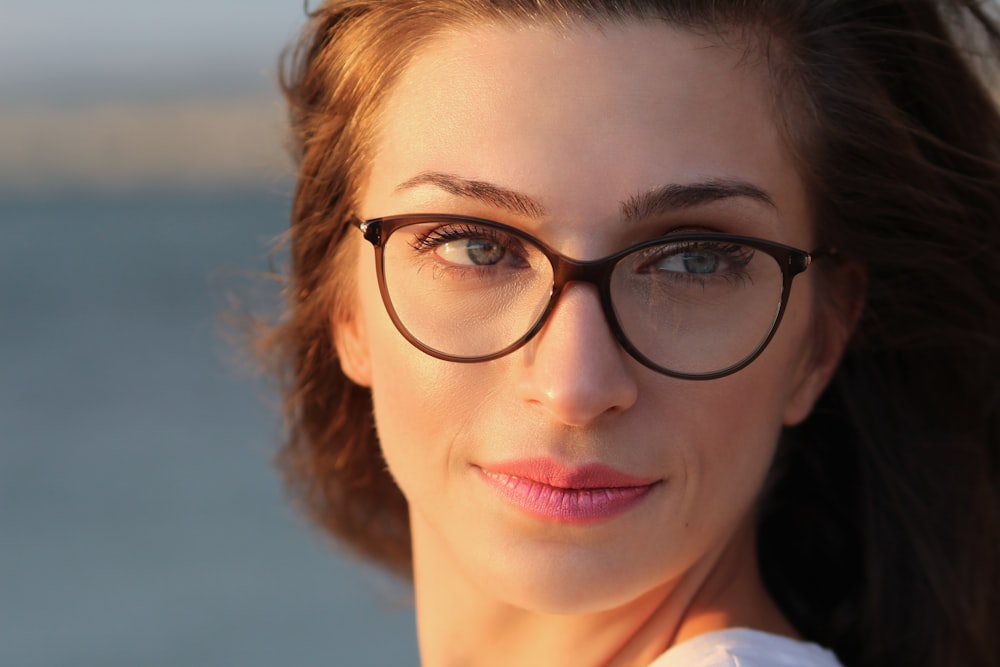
351,342
834,323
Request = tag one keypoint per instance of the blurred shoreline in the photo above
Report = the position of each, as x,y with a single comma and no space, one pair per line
128,146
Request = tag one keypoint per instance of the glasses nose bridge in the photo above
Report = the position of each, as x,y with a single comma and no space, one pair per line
566,270
593,272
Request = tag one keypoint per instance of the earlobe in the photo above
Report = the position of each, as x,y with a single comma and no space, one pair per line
351,344
834,327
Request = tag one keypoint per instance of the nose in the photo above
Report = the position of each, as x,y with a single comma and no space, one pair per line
574,368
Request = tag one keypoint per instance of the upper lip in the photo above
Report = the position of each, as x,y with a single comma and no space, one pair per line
552,473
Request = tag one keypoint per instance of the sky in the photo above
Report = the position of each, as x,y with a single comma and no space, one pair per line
66,50
131,94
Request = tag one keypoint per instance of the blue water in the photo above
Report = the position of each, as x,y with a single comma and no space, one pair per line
141,522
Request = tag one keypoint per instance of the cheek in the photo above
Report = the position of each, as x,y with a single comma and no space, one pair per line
733,424
420,403
730,431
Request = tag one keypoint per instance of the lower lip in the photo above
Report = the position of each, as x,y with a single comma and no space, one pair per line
566,505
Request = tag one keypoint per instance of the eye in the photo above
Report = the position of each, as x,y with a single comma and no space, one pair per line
477,251
690,261
703,263
696,257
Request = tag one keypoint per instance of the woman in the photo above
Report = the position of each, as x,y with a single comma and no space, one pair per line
678,323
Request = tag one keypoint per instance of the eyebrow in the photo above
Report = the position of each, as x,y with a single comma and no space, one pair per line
486,192
676,196
659,201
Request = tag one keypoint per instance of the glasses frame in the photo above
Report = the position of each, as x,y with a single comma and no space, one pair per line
566,270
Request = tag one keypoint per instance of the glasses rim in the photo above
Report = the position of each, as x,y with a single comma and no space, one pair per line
597,272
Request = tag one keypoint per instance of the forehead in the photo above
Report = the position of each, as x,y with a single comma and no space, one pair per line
581,117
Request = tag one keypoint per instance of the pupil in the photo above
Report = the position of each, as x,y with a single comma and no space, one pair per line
700,262
483,252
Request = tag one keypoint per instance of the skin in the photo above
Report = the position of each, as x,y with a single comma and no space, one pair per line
579,120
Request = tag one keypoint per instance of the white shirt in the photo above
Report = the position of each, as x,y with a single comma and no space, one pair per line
740,647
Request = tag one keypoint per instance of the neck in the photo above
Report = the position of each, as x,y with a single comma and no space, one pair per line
461,626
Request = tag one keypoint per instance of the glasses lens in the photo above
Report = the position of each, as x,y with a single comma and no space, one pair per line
463,288
697,307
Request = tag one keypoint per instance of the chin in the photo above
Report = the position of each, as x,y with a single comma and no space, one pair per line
558,579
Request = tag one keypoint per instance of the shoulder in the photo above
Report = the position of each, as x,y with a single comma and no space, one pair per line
740,647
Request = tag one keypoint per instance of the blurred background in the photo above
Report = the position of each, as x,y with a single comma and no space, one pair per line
142,180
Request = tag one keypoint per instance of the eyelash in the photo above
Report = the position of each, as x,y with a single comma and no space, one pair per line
737,255
438,236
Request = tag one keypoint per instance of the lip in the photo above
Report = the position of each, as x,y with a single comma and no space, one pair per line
578,495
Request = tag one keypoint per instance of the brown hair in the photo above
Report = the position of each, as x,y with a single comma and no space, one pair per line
880,532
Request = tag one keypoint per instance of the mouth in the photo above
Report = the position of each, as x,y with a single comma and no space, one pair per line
550,491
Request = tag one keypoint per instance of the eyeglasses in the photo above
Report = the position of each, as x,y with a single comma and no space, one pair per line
694,306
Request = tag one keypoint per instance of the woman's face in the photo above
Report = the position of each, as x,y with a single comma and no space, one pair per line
565,125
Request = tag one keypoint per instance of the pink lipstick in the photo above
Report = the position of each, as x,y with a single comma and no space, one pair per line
576,495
